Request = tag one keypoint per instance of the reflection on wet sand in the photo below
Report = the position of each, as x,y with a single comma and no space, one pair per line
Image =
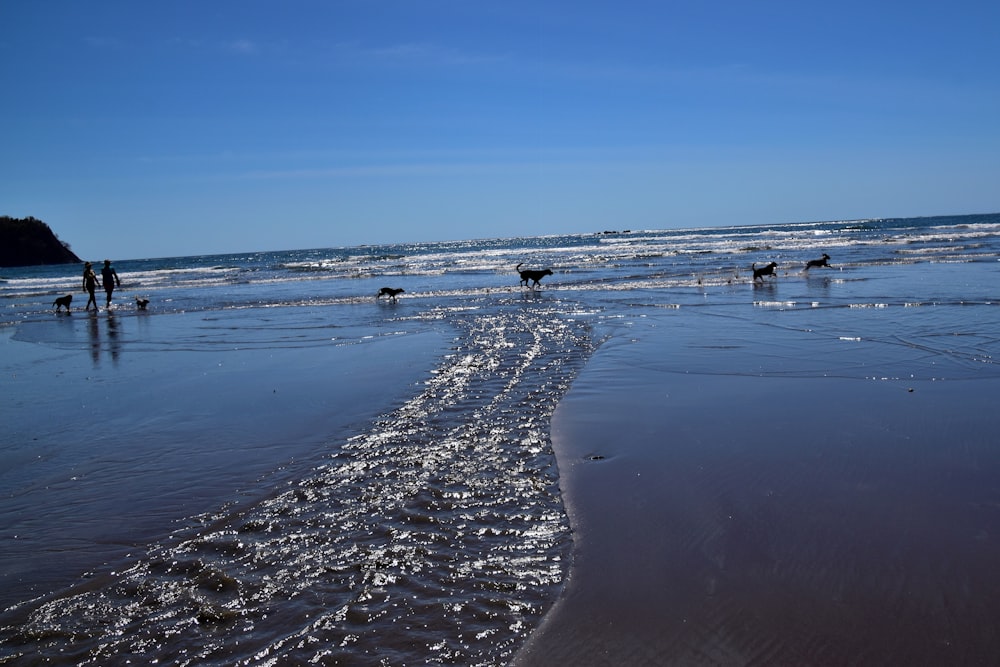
114,344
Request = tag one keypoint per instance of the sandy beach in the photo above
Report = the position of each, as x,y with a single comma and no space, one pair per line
797,487
653,462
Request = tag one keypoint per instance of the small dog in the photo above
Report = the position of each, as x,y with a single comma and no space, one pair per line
767,270
530,275
63,301
141,303
391,292
815,263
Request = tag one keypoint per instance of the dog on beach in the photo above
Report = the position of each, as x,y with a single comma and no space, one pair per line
533,276
766,270
141,303
391,292
63,301
815,263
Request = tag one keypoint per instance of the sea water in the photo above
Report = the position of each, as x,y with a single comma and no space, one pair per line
272,466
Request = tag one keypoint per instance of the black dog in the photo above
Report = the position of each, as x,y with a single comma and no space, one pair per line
534,276
63,301
391,292
815,263
767,270
141,303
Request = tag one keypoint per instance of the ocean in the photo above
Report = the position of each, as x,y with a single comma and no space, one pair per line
271,466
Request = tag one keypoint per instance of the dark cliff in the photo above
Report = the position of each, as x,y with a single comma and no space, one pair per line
29,242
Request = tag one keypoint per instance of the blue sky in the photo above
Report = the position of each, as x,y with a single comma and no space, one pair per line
150,129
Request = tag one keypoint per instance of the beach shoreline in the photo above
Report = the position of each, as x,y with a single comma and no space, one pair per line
777,492
752,470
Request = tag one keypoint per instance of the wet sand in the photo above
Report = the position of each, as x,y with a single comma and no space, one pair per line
780,499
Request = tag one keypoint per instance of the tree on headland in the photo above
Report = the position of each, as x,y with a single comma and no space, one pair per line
30,242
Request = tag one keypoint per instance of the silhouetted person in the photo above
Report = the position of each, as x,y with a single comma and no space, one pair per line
110,278
89,285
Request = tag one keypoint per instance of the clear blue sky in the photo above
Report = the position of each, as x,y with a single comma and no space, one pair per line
148,129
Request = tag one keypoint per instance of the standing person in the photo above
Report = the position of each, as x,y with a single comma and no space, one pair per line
89,285
110,278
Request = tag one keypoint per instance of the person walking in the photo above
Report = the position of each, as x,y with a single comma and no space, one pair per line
89,285
110,278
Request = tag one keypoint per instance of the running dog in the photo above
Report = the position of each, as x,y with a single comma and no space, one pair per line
63,301
532,276
767,270
815,263
141,303
391,292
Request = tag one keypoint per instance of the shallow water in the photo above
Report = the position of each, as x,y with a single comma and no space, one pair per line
270,466
440,521
117,427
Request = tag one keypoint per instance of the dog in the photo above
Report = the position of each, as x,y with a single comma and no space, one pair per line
391,292
531,275
767,270
815,263
63,301
141,303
